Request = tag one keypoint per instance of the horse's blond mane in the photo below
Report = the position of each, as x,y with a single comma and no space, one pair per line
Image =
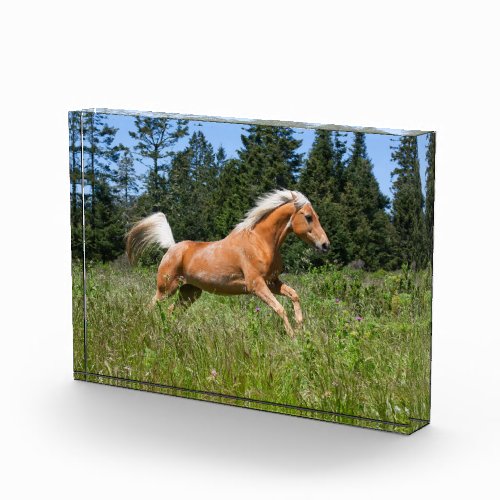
269,202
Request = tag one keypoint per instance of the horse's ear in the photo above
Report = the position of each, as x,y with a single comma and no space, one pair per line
294,196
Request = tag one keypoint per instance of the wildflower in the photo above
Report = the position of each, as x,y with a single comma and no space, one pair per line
257,309
337,301
213,376
359,318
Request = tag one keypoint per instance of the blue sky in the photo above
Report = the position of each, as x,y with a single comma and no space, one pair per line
229,136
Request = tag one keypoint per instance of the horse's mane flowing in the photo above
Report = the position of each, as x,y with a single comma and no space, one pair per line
269,202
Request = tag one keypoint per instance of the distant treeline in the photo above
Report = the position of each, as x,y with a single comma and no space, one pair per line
204,194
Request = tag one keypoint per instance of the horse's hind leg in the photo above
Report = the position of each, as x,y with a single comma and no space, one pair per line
169,276
287,291
165,288
188,294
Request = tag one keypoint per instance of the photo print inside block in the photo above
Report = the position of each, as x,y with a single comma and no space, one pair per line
277,266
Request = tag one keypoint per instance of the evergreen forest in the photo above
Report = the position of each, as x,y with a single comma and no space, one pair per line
205,192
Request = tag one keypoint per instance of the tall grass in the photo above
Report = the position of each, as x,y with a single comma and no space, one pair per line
364,348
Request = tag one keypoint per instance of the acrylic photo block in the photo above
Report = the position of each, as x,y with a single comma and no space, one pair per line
277,266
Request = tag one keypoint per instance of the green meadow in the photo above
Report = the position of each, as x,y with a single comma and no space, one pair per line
364,348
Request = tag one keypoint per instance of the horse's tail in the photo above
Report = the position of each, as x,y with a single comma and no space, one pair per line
154,229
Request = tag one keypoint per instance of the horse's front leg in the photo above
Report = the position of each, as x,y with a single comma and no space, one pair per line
287,291
259,288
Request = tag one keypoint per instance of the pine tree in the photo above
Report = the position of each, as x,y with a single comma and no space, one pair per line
227,199
370,237
75,174
358,147
220,158
179,209
192,188
339,164
100,156
98,136
108,227
320,181
155,138
408,203
230,204
268,160
429,193
204,173
125,186
316,178
125,177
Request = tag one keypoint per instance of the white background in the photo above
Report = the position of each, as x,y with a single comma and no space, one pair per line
425,65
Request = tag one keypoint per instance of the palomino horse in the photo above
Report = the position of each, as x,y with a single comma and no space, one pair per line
247,261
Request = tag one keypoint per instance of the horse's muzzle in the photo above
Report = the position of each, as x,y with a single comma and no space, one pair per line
323,247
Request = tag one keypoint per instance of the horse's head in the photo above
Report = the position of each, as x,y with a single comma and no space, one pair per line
305,224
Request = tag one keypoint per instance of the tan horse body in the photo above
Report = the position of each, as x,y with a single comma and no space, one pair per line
247,261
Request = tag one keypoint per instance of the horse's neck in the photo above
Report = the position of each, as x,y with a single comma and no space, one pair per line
275,227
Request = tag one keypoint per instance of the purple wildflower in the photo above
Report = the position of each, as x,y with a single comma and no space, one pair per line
257,309
337,301
359,318
213,372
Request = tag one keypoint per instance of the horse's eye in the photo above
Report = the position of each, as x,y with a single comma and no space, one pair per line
309,218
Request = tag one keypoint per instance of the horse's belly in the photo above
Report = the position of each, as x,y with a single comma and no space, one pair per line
219,284
221,279
233,289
